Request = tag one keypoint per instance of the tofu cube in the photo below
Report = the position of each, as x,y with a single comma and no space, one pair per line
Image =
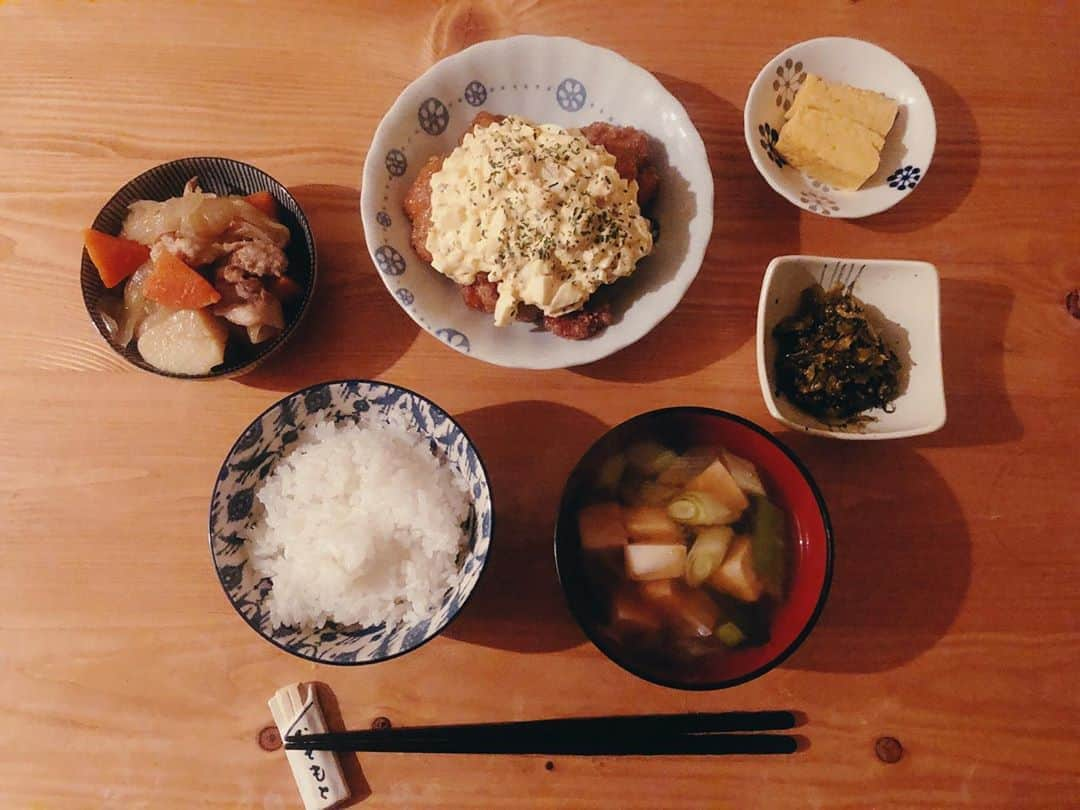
645,561
736,575
717,481
630,612
651,524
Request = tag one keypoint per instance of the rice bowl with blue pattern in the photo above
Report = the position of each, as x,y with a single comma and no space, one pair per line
545,80
306,538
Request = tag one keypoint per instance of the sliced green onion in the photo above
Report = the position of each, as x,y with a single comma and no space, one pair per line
707,553
688,466
653,493
768,547
730,634
700,509
611,471
649,457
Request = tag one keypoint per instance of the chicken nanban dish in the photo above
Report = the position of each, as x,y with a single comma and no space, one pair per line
533,221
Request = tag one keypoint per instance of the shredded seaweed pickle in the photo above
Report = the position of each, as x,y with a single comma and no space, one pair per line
830,361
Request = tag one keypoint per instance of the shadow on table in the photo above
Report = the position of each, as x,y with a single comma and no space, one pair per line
953,170
350,763
528,449
353,328
903,555
974,320
751,225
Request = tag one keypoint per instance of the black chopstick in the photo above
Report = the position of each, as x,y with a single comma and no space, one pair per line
644,724
649,734
606,746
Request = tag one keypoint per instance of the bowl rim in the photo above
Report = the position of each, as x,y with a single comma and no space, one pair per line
764,376
759,162
705,205
290,328
819,605
461,605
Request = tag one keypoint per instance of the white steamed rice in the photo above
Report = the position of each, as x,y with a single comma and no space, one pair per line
359,523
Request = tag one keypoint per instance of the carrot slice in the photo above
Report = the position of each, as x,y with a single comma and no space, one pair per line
114,257
284,288
265,202
173,284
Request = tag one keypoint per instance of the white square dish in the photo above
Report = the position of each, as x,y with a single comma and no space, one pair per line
906,297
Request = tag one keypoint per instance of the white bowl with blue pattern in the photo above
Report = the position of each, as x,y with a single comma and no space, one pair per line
234,510
909,146
549,80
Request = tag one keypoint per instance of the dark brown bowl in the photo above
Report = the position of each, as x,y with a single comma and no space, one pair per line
221,176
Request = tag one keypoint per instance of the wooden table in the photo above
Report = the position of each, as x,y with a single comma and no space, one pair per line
127,681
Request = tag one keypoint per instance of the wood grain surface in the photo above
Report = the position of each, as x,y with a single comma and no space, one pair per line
127,681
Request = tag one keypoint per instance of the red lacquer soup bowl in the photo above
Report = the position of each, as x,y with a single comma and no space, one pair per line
789,486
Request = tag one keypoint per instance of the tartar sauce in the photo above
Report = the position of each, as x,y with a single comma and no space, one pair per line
541,211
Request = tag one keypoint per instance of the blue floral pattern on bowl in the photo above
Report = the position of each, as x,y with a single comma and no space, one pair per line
454,338
789,79
769,136
904,178
396,162
817,199
571,94
433,116
389,260
475,93
234,510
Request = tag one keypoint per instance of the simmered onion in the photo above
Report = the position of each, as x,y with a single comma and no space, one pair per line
197,215
137,307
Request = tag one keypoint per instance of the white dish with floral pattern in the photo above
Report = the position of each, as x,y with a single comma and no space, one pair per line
909,146
549,80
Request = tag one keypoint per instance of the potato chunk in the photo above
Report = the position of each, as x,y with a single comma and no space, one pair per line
189,341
